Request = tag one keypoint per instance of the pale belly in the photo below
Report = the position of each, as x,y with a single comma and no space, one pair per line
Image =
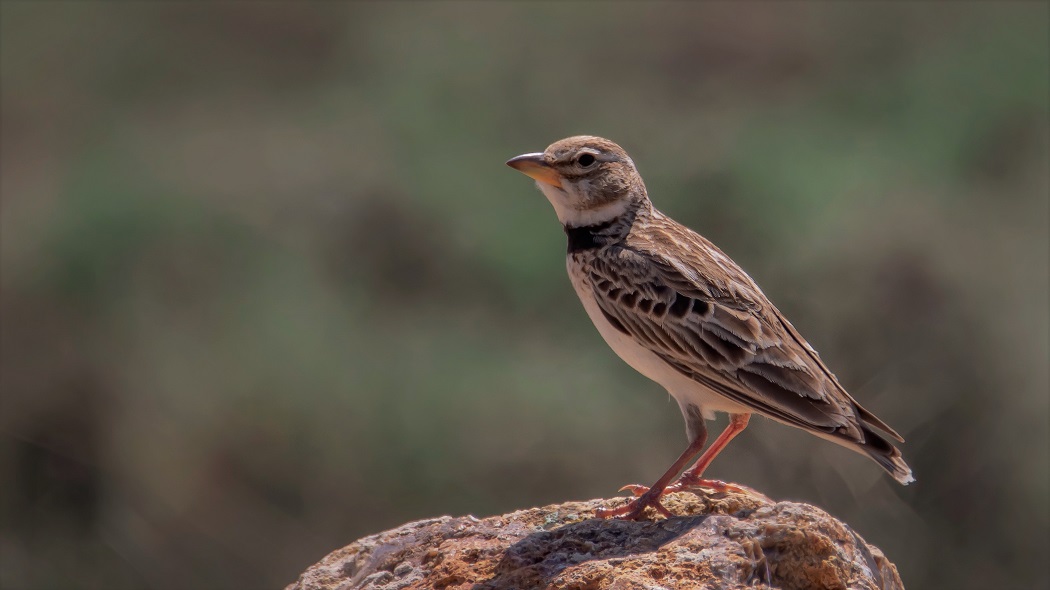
685,391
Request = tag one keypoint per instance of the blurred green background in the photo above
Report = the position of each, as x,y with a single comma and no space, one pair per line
268,287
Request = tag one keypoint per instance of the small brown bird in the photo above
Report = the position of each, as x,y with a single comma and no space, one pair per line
682,313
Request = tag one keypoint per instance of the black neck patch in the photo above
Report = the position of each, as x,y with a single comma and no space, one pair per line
587,237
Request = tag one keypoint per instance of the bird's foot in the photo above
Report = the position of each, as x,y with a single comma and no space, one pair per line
686,483
635,509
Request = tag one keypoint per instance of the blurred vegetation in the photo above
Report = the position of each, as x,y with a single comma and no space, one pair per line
268,287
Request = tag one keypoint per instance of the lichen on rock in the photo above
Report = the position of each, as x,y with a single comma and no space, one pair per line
727,541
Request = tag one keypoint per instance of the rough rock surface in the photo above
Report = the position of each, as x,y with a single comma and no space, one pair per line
731,541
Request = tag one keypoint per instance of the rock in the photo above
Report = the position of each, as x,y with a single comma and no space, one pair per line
725,541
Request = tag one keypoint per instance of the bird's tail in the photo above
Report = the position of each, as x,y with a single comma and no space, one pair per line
885,454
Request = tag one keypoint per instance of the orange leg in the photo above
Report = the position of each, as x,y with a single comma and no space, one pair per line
651,496
692,478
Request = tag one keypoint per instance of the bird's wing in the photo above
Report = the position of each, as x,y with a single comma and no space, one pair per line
698,311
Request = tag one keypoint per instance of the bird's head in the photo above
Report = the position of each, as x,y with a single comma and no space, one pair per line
588,180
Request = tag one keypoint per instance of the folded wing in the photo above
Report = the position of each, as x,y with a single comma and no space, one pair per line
706,318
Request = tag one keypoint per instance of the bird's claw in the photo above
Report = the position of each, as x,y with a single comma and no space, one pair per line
685,484
635,509
635,489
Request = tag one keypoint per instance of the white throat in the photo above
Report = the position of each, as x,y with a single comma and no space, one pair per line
562,201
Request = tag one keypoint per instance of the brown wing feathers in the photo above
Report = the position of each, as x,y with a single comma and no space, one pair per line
726,336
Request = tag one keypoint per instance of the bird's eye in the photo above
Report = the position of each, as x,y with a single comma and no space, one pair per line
586,160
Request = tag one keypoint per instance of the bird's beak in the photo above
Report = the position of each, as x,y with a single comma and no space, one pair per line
533,165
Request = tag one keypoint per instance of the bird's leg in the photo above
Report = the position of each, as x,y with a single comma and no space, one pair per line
693,477
651,496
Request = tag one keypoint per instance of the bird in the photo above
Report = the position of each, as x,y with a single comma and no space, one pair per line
682,313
